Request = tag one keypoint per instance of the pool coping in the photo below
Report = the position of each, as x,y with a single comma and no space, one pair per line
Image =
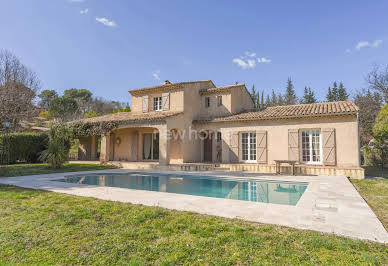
330,204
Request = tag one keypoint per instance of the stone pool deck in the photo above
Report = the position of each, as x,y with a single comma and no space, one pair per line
330,204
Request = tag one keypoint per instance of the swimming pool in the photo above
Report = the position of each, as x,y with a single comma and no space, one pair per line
256,190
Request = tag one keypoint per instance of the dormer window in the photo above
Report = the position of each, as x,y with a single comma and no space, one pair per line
158,103
207,102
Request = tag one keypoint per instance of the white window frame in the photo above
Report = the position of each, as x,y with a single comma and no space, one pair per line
249,137
310,131
157,103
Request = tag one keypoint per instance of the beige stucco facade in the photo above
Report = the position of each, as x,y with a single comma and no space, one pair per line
191,136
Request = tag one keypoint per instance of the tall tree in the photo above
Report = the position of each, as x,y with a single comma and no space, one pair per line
377,80
258,104
63,109
274,99
369,104
380,133
46,97
290,96
254,95
342,93
262,100
18,87
268,101
281,100
83,98
308,96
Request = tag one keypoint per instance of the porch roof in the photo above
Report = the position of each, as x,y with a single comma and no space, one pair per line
130,117
291,111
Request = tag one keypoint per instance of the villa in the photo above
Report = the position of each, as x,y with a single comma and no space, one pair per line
196,125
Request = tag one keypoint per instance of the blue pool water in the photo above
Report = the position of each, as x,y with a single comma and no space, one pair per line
257,190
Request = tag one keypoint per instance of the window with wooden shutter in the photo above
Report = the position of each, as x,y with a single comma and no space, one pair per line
233,155
261,139
166,101
293,144
329,146
145,104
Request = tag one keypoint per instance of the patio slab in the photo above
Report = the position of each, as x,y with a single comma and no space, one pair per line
330,204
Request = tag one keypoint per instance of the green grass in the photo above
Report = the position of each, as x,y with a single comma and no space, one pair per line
375,171
38,227
36,169
375,192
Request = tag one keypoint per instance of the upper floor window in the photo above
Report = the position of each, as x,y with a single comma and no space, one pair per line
219,100
157,103
207,102
311,146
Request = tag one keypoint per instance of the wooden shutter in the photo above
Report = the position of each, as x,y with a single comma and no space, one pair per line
329,146
261,146
145,104
293,144
233,154
166,101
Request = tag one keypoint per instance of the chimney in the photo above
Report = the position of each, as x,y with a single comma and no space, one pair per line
167,82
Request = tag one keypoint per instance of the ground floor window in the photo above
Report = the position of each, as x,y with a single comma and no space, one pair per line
311,146
248,146
151,146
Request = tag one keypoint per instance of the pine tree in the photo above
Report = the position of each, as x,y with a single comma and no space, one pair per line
335,91
329,96
254,95
305,98
342,93
311,96
274,99
290,97
280,99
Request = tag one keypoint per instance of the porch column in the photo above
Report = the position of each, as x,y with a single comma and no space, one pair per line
164,146
105,148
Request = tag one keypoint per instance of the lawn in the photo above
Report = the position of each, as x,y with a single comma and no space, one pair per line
36,169
38,227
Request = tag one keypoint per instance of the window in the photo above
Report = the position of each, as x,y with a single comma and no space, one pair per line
311,146
157,103
219,137
219,100
207,102
248,146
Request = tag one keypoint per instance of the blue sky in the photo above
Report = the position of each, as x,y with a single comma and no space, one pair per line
110,47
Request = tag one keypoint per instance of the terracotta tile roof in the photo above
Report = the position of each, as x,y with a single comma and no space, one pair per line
291,111
125,117
166,87
220,89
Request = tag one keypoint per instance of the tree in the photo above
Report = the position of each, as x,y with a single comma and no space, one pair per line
377,80
380,132
308,96
253,95
290,96
329,96
257,104
281,100
274,99
262,100
369,104
18,87
127,108
268,101
63,109
342,93
46,97
83,98
334,92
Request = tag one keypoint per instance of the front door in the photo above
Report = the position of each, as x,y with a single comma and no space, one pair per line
207,148
151,146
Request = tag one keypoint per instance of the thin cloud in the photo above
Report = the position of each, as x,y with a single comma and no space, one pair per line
76,1
249,60
85,11
364,44
156,75
106,22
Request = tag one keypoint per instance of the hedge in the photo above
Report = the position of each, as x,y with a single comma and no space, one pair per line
23,147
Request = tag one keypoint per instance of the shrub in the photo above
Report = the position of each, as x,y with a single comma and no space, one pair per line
23,147
55,154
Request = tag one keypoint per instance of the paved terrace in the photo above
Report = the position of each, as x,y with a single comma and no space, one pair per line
330,204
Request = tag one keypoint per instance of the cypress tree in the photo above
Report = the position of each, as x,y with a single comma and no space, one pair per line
335,91
262,100
258,102
274,100
253,95
329,96
268,101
